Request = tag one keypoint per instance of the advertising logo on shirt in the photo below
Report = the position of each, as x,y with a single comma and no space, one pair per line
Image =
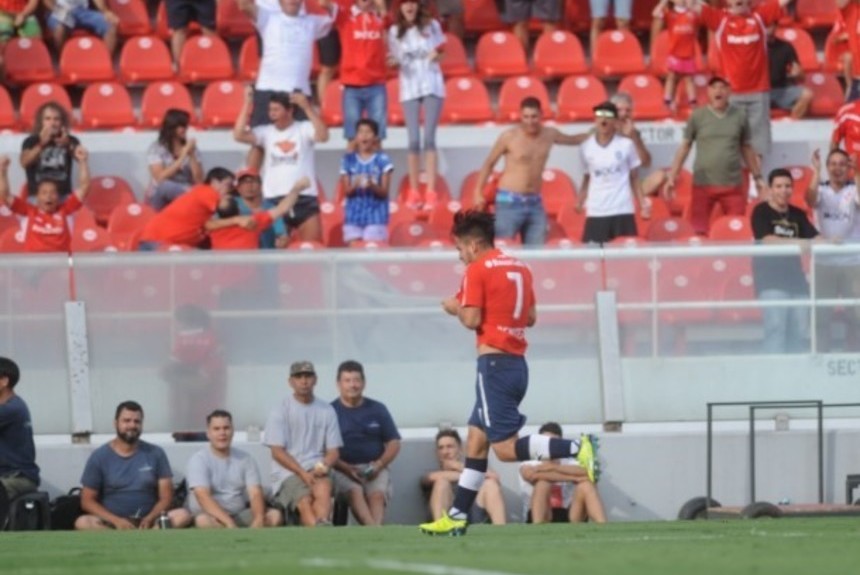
289,153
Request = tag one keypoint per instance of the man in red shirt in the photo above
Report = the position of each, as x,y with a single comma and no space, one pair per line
848,129
362,28
741,37
850,12
188,219
497,301
47,227
240,238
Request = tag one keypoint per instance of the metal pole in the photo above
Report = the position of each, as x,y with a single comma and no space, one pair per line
708,451
820,452
752,454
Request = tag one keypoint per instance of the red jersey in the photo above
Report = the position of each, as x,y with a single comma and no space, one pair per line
238,238
183,220
13,6
742,42
501,286
362,37
47,232
850,14
848,128
683,27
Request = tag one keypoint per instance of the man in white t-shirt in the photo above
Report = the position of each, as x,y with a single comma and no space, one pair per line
836,205
611,180
224,483
287,36
304,437
288,146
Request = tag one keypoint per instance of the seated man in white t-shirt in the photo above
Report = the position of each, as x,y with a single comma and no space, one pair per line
225,485
559,490
611,180
289,156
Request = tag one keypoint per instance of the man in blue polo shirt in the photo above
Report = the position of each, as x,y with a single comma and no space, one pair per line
370,443
19,473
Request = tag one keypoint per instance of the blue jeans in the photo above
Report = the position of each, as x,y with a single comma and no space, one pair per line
521,214
358,99
786,329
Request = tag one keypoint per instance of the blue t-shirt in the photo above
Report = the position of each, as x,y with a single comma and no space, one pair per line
365,208
127,486
17,450
267,236
365,430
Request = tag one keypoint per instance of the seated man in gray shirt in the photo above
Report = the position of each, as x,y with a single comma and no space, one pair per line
127,482
224,483
19,473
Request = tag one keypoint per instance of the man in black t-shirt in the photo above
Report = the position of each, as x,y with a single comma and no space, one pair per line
775,221
786,93
48,152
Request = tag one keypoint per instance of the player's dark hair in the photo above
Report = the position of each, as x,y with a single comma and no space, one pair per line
193,316
475,224
452,433
838,151
350,366
227,208
128,406
9,369
219,413
372,124
551,427
778,173
530,102
218,173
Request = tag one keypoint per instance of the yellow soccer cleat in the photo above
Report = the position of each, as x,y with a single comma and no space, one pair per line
587,457
445,526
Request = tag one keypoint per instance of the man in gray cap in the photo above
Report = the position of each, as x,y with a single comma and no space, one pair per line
304,438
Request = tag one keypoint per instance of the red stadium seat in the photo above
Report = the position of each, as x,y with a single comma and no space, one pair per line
221,104
145,59
660,51
454,61
572,221
618,53
828,94
8,119
443,190
85,59
557,191
158,97
679,282
499,54
35,95
802,176
467,101
12,241
395,109
332,104
835,47
249,58
331,214
467,189
205,59
91,239
739,286
514,90
133,17
682,104
816,13
106,194
803,45
27,61
731,229
410,234
125,224
106,105
565,283
481,16
669,230
559,53
647,93
231,22
8,221
577,95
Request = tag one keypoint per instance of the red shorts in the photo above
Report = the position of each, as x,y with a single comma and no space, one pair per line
732,199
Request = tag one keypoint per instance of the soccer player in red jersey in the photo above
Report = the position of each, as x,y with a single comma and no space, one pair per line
847,128
497,301
47,228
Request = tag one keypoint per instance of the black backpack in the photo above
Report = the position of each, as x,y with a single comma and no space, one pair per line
29,512
66,509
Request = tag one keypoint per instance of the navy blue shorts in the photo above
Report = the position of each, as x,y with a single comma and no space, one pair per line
500,388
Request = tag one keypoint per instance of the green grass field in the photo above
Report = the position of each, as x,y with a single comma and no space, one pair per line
763,547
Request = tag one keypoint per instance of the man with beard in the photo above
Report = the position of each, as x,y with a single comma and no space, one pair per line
127,482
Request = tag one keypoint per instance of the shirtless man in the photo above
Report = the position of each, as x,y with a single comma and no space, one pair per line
526,148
